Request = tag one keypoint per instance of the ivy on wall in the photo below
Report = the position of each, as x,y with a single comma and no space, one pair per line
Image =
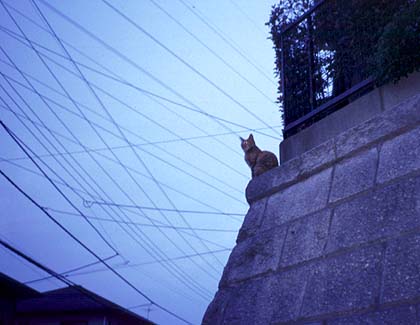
397,52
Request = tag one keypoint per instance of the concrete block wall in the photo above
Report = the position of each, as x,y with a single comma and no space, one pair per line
332,236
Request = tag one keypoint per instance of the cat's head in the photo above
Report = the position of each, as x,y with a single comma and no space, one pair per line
247,144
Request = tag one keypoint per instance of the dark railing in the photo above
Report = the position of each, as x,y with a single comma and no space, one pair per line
324,57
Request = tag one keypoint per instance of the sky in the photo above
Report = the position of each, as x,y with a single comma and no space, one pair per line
120,132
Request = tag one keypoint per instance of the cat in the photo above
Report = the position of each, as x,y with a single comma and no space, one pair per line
259,161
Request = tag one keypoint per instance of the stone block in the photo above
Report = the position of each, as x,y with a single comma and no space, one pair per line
363,134
342,283
380,213
287,173
318,157
288,290
401,279
255,255
261,186
253,220
399,156
306,238
393,94
405,114
216,310
401,315
298,200
248,303
354,175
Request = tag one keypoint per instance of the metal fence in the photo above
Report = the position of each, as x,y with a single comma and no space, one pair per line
324,57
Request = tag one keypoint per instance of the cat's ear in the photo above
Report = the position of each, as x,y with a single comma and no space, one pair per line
242,139
251,137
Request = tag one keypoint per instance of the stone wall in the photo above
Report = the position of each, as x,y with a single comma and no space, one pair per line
333,236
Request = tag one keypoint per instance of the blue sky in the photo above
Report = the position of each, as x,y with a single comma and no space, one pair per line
149,121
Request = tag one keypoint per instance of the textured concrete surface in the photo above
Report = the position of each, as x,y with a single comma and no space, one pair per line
362,176
405,315
344,282
333,235
306,238
305,197
407,148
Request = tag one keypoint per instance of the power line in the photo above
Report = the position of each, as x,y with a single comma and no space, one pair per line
33,134
141,224
113,75
108,148
211,50
71,203
125,58
114,161
161,224
52,273
224,37
135,265
138,242
134,145
125,138
85,266
128,106
87,248
99,135
117,53
248,17
88,204
195,70
121,80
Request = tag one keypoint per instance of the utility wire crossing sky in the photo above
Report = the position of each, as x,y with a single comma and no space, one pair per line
120,162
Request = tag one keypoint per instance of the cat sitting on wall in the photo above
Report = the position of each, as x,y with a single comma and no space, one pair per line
259,161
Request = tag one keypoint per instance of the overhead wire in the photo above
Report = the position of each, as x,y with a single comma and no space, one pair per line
188,283
225,39
43,135
117,78
67,281
136,265
90,203
125,138
142,243
135,134
187,64
77,271
17,141
161,224
77,209
130,107
85,150
151,143
249,18
104,142
186,195
136,65
219,57
81,267
116,52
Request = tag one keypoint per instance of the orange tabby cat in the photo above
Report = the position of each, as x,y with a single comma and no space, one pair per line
259,161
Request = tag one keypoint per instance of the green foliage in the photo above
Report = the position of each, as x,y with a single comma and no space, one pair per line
348,42
398,49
